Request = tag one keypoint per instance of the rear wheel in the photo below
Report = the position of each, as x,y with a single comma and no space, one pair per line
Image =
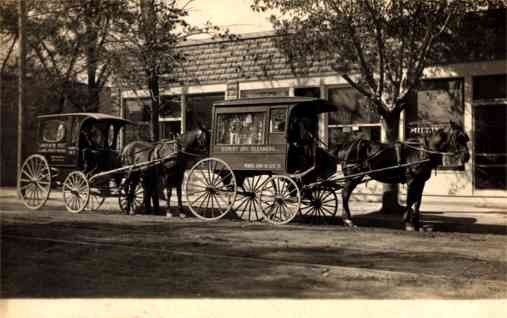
76,192
319,205
96,200
280,200
210,189
138,199
34,182
248,204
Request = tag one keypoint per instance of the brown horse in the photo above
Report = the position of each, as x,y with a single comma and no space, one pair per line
413,164
175,157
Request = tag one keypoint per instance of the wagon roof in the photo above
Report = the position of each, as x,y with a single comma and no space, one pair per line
96,116
300,104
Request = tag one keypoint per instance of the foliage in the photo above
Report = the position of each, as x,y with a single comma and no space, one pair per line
379,47
146,40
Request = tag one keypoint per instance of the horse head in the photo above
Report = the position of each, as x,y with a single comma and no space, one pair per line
451,142
195,141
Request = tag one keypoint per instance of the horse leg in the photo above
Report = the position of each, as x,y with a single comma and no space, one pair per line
130,189
411,216
349,186
155,194
147,191
169,190
180,205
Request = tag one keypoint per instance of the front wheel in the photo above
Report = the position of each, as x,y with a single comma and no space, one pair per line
280,200
76,192
34,182
210,189
319,205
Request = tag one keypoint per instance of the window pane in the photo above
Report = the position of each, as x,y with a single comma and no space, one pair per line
170,106
341,135
278,120
353,108
490,87
490,146
270,92
53,131
307,91
434,105
199,109
240,129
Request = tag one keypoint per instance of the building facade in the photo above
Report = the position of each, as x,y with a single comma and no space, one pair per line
471,91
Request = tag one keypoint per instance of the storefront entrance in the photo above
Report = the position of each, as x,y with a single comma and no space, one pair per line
490,133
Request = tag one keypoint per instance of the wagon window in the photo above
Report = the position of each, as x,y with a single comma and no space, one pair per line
278,120
53,130
240,129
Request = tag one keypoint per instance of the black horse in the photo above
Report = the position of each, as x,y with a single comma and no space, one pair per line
175,157
414,162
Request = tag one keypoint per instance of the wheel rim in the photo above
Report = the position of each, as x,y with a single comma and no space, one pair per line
96,200
210,189
138,201
248,204
280,200
319,206
34,182
76,192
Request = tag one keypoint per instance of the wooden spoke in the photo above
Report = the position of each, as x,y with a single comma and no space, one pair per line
248,206
319,205
137,201
280,200
210,189
34,182
76,192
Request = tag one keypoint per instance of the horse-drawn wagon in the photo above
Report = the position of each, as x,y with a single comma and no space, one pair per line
263,154
267,162
79,152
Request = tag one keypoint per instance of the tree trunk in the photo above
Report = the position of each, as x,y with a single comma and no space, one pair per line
390,202
155,105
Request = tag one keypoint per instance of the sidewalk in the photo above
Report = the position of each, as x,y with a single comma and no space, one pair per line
438,214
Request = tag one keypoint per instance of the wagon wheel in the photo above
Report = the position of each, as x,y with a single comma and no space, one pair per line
96,200
34,182
319,205
210,189
137,203
248,204
280,200
76,192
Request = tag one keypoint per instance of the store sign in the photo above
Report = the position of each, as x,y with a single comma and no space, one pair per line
233,90
422,129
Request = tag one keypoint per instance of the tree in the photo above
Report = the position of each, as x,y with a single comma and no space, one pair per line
146,43
379,47
68,40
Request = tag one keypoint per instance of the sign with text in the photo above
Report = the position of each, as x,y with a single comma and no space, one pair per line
233,90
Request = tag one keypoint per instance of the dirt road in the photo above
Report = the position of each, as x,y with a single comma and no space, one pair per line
52,253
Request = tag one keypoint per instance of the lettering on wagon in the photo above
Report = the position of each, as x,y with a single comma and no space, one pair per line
253,149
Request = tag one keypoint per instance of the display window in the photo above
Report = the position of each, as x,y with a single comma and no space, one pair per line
240,129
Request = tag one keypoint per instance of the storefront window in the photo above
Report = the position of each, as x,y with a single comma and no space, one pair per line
240,129
199,109
354,118
436,103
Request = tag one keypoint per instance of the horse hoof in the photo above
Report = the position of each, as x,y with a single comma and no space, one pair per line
409,228
349,223
168,215
182,215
